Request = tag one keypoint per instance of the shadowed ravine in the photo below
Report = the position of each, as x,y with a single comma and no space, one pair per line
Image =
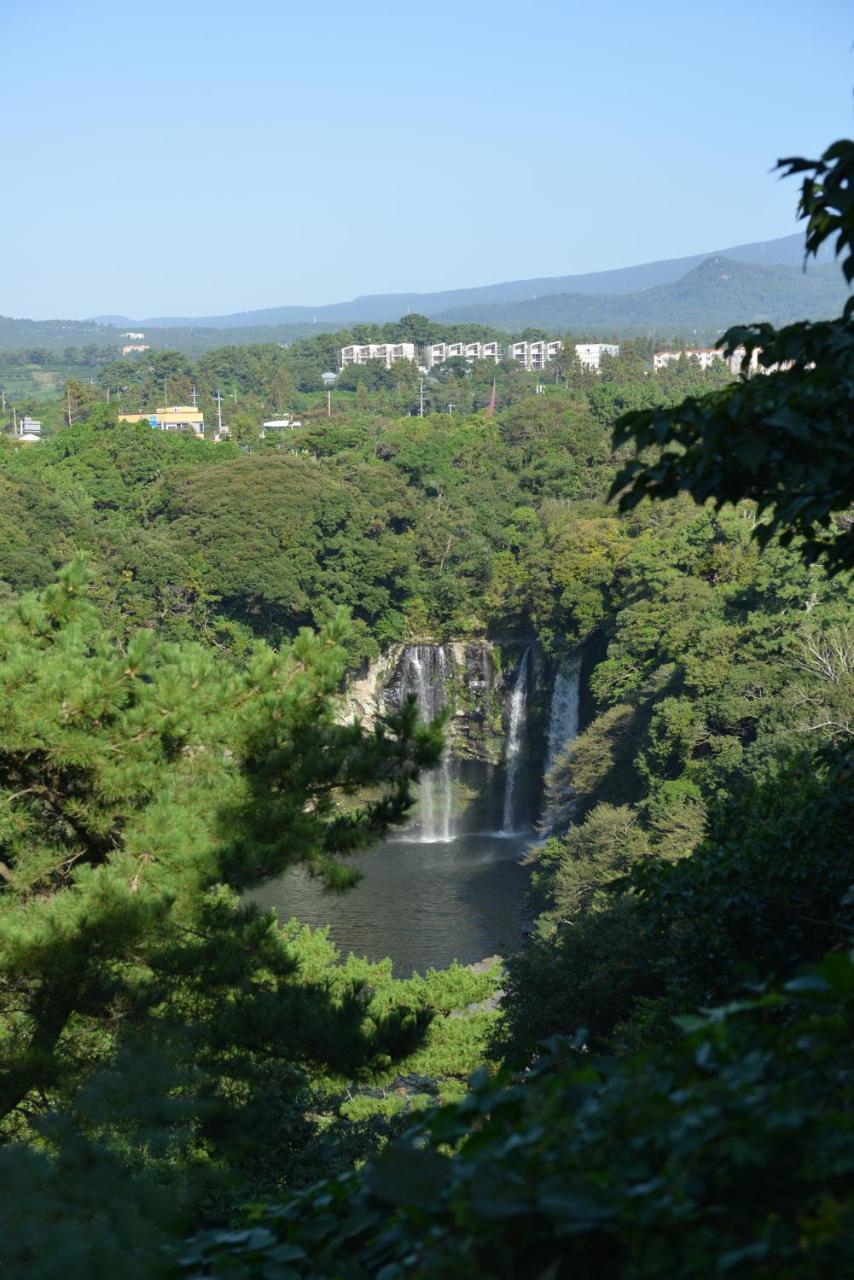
450,886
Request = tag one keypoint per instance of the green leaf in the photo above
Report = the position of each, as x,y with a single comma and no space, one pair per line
404,1174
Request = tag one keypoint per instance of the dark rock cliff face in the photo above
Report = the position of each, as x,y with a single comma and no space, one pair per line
476,729
479,677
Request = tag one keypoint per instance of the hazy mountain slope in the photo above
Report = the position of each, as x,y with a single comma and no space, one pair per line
712,294
52,334
717,293
787,251
55,335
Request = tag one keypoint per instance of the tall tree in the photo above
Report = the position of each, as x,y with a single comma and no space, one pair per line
142,786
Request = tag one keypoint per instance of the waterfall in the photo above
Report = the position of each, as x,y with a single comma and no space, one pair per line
563,717
446,791
425,674
515,735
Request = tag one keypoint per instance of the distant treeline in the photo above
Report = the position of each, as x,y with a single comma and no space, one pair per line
270,376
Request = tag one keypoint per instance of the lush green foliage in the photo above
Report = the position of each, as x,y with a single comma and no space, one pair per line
724,732
630,937
142,785
724,697
446,524
172,738
731,1154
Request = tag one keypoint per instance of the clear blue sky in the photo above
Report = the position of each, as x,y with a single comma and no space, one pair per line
191,157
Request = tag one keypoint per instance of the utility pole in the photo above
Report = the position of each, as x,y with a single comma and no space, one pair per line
68,404
194,396
451,408
15,419
218,399
329,404
421,398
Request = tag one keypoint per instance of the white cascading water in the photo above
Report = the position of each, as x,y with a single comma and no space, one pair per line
515,738
425,675
563,716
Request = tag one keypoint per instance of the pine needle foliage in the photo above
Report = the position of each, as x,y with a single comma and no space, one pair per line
143,787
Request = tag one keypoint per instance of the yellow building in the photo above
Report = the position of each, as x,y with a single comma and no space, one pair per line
181,417
175,417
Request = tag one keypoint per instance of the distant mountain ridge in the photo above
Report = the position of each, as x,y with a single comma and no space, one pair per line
717,293
697,297
380,308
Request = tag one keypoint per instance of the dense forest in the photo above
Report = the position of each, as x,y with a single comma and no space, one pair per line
188,1087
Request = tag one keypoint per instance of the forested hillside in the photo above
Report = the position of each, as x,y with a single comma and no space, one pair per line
664,1068
717,293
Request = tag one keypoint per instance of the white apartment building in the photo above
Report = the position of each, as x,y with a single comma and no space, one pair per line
591,353
435,353
439,352
704,356
535,355
736,360
483,351
387,352
735,363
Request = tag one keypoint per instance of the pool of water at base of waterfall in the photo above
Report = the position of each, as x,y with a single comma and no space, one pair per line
423,903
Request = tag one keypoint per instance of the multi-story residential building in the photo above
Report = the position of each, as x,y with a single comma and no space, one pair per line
438,352
435,353
387,352
591,353
135,346
704,356
535,355
483,351
736,360
735,363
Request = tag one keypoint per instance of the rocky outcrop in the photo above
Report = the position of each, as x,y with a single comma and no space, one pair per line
363,698
474,692
479,676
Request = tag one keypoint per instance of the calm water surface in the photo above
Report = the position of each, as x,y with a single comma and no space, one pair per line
425,904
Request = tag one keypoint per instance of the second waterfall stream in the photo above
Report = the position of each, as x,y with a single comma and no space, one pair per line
515,741
426,675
